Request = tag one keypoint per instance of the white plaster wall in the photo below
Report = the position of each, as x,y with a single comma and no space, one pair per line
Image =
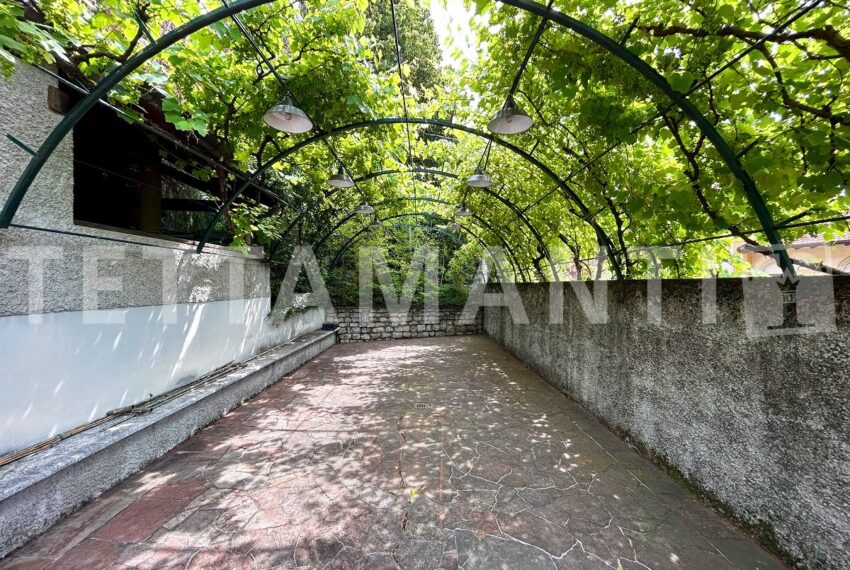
164,315
75,366
275,332
24,114
163,273
144,263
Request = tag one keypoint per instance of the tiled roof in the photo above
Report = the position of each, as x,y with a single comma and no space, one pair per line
814,240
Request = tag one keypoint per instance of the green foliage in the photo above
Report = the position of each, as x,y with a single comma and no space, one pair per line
24,38
785,106
253,220
421,52
402,240
667,185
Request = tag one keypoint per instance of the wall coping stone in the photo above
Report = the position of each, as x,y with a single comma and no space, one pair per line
38,490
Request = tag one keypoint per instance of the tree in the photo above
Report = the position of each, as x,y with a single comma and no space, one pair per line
644,173
420,47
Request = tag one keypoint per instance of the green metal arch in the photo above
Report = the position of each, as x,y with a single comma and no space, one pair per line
511,256
114,77
479,221
727,154
507,203
312,205
332,230
360,232
585,216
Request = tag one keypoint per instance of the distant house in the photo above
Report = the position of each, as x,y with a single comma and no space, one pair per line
834,253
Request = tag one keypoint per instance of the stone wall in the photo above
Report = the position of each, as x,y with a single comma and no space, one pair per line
706,377
417,324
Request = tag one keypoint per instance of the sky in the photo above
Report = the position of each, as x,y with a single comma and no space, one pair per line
451,22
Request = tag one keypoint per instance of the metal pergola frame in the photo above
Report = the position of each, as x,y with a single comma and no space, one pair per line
350,241
428,215
585,212
114,77
479,221
506,202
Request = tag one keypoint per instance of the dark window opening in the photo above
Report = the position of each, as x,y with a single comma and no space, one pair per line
117,179
185,209
128,178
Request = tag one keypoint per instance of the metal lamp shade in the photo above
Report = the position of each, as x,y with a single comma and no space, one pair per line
479,180
453,227
463,212
341,179
510,121
365,209
288,118
376,225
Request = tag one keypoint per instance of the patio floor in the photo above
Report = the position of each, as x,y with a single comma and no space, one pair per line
428,453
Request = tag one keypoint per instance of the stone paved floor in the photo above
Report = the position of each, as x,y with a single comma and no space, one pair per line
421,454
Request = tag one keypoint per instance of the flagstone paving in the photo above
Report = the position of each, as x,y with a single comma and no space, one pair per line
421,454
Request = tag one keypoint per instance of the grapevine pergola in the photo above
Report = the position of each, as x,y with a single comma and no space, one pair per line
565,186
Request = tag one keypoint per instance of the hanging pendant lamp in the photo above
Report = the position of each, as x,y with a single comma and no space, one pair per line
364,209
341,179
479,179
376,224
463,212
511,120
288,118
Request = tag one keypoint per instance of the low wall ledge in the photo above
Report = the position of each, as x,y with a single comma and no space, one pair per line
38,490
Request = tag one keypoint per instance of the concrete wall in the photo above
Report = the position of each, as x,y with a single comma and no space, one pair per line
381,325
88,324
757,416
38,490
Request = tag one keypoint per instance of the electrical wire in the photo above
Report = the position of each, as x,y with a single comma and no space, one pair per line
402,88
265,60
485,158
116,240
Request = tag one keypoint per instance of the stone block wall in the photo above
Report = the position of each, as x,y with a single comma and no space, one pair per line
381,325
